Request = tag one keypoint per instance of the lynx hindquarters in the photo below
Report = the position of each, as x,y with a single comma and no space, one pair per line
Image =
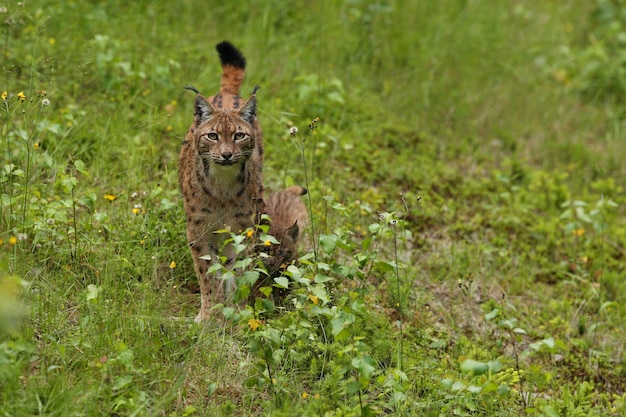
288,219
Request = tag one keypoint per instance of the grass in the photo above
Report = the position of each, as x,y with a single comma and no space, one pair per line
466,188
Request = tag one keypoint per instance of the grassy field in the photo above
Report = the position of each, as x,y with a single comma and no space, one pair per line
466,177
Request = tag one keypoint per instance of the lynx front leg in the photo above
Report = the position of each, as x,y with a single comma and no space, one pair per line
211,290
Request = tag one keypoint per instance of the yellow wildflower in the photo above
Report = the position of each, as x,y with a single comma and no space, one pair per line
110,197
578,232
172,265
304,395
560,76
21,96
36,145
136,210
314,298
4,95
250,233
12,240
254,324
267,243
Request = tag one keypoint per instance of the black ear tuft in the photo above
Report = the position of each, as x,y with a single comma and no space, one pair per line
192,88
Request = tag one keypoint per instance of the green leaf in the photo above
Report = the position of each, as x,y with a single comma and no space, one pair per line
264,237
509,323
250,277
92,292
80,167
266,291
474,389
492,314
329,242
495,366
282,282
474,367
294,273
243,263
339,323
122,382
353,387
457,386
241,293
608,305
228,312
320,279
549,411
365,365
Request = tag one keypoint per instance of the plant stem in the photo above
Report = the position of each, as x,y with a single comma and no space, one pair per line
398,295
9,221
310,201
519,372
73,253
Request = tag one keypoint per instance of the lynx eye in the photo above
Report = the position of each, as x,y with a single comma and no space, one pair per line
211,136
240,136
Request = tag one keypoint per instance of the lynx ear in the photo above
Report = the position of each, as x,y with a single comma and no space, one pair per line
203,110
247,110
293,231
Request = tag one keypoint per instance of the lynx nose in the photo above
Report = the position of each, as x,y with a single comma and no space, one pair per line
227,155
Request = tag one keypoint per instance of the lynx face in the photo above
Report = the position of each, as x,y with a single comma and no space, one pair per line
224,137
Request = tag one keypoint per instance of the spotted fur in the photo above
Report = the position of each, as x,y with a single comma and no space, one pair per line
288,220
220,174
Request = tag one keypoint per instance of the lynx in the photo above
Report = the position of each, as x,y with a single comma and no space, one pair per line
220,174
289,218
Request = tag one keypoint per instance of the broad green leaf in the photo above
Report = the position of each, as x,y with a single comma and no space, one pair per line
282,282
549,411
365,365
264,237
80,167
320,279
92,292
474,367
329,242
492,314
495,366
266,291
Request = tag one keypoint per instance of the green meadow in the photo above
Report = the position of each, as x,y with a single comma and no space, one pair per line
466,175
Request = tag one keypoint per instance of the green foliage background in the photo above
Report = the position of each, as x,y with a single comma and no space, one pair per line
467,183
